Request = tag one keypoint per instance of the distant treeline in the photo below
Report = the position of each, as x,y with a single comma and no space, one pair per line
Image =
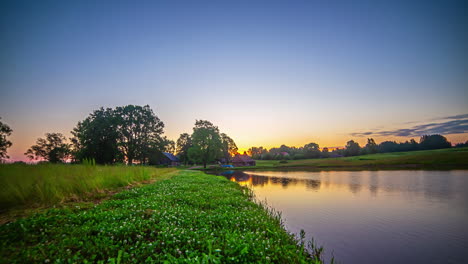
134,134
352,148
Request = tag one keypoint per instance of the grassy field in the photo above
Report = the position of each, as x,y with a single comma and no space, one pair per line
32,186
454,158
189,217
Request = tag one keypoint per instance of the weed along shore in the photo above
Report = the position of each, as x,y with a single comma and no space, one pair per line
189,217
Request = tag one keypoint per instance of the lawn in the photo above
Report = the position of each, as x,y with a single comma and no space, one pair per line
189,217
427,159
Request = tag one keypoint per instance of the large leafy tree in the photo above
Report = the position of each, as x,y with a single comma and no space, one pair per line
96,137
207,144
52,148
183,144
371,147
229,147
434,142
352,148
139,132
311,151
5,131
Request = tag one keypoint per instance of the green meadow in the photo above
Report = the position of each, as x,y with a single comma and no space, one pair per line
186,217
452,158
44,185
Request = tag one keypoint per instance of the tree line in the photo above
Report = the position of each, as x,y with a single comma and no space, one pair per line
134,134
128,134
352,148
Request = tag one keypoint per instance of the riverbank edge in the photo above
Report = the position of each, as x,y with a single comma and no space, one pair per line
343,168
292,246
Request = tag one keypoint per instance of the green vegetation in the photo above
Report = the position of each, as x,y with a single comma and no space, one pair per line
190,217
29,186
451,158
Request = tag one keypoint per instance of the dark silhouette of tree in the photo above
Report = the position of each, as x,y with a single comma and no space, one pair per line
325,153
462,145
229,147
352,148
5,131
96,138
388,146
371,147
183,144
311,151
139,132
206,143
53,148
434,142
169,146
257,152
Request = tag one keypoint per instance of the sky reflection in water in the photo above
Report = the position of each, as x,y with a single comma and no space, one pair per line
372,216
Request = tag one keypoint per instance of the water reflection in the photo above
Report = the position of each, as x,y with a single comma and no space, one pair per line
421,182
261,180
368,216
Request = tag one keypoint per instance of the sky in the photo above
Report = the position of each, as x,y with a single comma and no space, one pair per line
265,72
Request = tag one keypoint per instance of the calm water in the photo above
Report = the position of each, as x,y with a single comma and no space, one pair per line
372,216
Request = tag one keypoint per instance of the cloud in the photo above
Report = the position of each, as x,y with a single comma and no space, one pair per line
457,126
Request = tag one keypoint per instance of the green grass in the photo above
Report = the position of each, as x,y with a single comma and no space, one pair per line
428,159
190,217
31,186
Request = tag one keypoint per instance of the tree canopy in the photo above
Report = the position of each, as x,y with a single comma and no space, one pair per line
96,137
128,133
53,148
183,144
206,143
5,131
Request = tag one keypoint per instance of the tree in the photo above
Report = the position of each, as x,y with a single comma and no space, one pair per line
434,142
206,142
229,147
388,146
139,132
5,131
53,148
257,152
325,153
352,148
371,146
169,146
462,145
96,138
311,151
183,144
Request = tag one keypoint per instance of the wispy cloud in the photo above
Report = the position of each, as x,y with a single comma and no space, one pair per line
457,124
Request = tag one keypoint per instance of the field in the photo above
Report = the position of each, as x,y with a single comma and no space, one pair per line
453,158
31,186
189,217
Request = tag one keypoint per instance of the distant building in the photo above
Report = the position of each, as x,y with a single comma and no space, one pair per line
242,160
169,159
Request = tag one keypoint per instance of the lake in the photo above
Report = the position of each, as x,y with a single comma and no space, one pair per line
372,216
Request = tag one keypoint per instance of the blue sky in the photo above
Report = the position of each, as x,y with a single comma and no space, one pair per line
265,72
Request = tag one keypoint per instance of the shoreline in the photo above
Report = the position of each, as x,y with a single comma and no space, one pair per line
190,216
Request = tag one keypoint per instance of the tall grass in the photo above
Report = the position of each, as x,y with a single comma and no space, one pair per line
46,184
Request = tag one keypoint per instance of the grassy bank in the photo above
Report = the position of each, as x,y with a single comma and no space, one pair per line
31,186
454,158
190,217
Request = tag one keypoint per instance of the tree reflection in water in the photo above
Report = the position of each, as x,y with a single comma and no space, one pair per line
261,180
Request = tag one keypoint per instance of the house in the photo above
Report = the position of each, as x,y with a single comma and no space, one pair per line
169,159
242,160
